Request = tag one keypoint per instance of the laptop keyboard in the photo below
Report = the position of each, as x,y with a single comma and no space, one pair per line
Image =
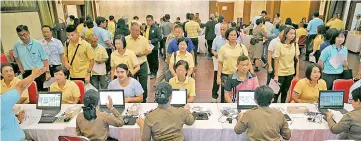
50,112
47,119
324,111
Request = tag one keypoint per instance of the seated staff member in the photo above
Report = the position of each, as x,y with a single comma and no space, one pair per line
133,91
182,54
242,79
70,90
284,62
307,89
165,122
276,124
79,61
320,38
182,81
10,128
227,58
9,82
350,123
334,51
98,79
93,123
122,55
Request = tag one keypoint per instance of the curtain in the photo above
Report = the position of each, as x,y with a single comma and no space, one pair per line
18,6
88,9
44,13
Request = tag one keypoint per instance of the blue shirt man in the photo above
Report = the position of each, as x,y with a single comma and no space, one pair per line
173,46
31,55
53,50
102,35
313,24
218,42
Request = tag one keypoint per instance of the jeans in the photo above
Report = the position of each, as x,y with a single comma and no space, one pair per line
99,80
195,50
39,81
285,83
209,44
153,62
142,77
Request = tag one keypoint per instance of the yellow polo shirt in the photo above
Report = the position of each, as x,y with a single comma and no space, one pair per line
147,33
299,32
127,58
5,88
138,45
228,56
68,92
192,28
317,42
189,84
111,28
82,58
88,32
336,23
80,28
188,57
286,54
306,92
100,55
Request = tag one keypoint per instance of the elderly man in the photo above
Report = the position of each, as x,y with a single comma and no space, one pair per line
98,78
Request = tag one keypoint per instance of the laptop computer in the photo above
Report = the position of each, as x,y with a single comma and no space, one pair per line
245,100
331,100
179,97
117,98
50,104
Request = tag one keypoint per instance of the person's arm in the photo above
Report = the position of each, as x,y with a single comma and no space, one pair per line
276,61
23,84
285,131
343,125
112,73
190,99
188,119
65,60
220,66
214,47
136,69
145,130
76,100
297,67
269,61
115,119
359,71
17,59
137,99
296,97
22,100
227,96
190,71
241,125
91,64
77,130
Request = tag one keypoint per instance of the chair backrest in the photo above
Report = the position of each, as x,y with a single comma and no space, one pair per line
4,59
11,53
81,88
33,93
345,85
290,92
302,40
73,138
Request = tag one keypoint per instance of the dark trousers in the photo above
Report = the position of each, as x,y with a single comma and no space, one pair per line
215,87
209,44
271,75
224,78
162,50
142,77
81,79
309,47
317,55
285,82
195,50
329,78
107,63
39,81
99,81
153,62
52,69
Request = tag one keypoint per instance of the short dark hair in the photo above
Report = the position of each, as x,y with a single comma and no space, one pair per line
111,17
278,14
321,29
63,69
149,16
72,17
191,16
229,30
71,28
167,16
89,23
264,12
187,15
135,18
259,21
286,30
263,95
99,20
20,28
288,21
329,33
47,26
282,27
182,63
278,26
181,40
334,35
316,14
178,18
5,65
125,67
122,38
356,94
242,58
178,26
81,19
310,68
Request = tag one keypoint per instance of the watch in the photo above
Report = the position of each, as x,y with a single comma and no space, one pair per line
89,71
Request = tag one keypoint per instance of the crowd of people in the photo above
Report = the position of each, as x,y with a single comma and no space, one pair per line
117,55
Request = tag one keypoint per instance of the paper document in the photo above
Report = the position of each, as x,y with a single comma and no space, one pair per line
312,59
89,86
151,46
274,86
47,83
99,68
337,115
337,60
32,116
215,63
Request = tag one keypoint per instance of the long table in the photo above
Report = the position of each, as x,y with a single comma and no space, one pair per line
214,129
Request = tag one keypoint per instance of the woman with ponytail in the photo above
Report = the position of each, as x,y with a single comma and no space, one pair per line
165,122
94,124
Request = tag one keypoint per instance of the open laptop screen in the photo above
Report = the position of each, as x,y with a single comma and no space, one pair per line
331,99
49,100
179,97
116,95
246,98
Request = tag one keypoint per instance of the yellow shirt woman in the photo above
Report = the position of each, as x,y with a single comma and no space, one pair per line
308,93
317,42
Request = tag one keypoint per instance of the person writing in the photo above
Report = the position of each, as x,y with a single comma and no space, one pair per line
276,124
242,79
307,89
93,123
183,81
133,91
69,89
182,54
165,122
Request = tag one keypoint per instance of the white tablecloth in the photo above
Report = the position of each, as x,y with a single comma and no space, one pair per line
207,130
353,42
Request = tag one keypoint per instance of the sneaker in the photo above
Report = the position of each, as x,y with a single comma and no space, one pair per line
214,100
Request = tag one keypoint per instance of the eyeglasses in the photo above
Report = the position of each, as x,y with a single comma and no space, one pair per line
22,35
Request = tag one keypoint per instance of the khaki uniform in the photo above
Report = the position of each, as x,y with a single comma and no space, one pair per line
166,123
98,129
350,124
260,129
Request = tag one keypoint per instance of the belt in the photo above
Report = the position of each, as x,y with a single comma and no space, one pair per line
53,65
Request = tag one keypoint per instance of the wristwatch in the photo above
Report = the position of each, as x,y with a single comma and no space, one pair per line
89,71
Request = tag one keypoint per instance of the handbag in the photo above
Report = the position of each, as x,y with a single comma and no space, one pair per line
347,73
168,74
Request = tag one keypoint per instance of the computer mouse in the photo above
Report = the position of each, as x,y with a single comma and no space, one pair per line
66,119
